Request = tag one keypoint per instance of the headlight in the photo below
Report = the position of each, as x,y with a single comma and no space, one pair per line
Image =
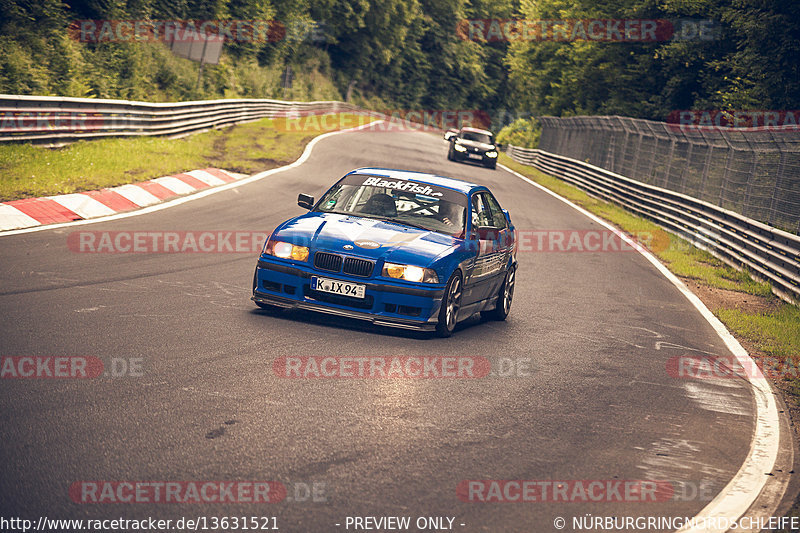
409,273
459,148
491,154
285,250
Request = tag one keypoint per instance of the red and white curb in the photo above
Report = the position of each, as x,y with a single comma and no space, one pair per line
237,180
32,212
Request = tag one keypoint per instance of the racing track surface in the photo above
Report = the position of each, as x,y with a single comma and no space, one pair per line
598,404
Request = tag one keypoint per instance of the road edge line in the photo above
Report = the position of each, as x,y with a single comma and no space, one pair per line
747,484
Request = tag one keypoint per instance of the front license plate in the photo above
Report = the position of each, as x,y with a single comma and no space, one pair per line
475,156
333,286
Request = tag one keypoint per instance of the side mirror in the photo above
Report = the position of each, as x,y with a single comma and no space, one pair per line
508,217
304,200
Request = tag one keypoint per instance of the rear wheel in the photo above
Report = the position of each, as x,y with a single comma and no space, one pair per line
503,305
451,303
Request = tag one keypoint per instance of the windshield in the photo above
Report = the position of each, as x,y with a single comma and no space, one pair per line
477,137
406,202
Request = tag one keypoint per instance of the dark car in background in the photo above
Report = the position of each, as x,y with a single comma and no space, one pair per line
474,145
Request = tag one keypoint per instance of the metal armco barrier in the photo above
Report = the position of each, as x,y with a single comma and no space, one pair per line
62,120
770,253
752,171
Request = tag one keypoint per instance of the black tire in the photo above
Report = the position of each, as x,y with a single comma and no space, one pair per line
451,303
492,166
504,298
450,153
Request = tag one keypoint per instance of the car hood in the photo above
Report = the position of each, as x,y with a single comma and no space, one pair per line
476,144
370,238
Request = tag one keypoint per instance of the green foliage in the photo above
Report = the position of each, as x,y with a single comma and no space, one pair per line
523,132
752,63
37,56
409,54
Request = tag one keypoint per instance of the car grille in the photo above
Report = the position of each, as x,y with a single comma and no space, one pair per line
358,267
352,265
326,261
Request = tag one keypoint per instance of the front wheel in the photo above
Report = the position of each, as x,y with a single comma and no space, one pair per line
491,166
451,303
503,305
450,153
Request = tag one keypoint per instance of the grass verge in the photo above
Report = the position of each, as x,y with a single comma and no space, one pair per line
29,171
678,254
767,327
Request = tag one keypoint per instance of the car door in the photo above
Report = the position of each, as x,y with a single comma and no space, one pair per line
489,232
503,244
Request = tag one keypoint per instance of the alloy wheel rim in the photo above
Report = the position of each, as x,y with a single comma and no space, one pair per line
453,303
508,293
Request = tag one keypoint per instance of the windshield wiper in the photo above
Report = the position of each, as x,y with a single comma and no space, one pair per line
406,223
382,219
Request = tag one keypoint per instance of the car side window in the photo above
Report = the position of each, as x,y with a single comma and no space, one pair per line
498,217
481,214
362,196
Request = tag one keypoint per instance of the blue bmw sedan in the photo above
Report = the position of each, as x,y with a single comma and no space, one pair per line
396,248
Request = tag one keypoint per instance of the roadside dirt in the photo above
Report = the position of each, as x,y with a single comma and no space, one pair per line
726,299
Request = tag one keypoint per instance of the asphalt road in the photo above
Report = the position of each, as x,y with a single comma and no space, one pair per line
597,404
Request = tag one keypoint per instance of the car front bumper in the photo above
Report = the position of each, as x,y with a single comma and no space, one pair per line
386,304
465,156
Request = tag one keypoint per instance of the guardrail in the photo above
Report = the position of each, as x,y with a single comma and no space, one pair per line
752,171
770,253
61,120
